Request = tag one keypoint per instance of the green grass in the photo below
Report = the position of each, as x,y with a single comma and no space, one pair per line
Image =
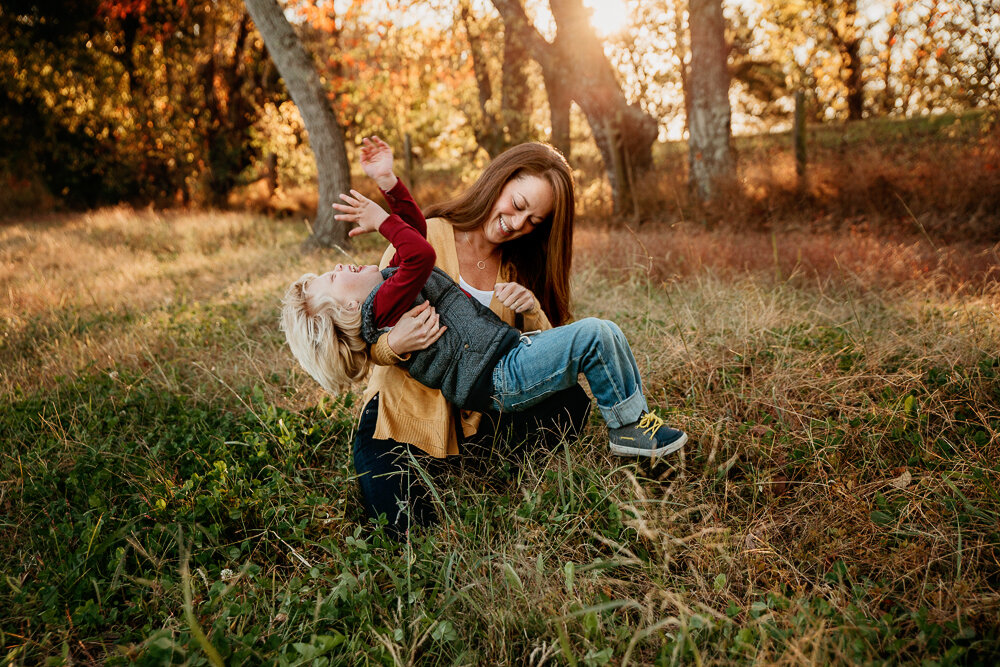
113,485
174,490
749,551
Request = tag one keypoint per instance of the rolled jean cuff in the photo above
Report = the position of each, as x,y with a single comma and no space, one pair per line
625,413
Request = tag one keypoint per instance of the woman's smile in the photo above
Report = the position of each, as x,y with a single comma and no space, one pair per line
504,227
524,203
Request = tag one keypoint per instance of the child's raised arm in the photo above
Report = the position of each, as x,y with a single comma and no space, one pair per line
376,161
415,255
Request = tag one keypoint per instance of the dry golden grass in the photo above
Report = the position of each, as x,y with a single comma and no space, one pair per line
116,286
792,379
936,178
183,298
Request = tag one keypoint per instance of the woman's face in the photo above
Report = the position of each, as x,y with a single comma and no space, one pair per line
524,203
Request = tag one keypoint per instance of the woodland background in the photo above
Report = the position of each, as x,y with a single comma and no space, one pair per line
175,490
179,104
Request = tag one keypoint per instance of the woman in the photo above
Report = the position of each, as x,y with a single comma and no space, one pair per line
508,241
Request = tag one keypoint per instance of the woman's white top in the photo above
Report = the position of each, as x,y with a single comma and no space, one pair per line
482,296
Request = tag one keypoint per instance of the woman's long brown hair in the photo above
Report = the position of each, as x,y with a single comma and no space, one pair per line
541,260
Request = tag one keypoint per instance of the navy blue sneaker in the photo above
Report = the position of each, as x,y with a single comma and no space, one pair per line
649,436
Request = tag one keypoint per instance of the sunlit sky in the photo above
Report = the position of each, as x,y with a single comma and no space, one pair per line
609,16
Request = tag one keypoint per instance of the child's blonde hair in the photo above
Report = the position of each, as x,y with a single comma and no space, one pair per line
324,337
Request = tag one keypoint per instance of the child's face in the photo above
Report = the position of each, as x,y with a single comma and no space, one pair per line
348,284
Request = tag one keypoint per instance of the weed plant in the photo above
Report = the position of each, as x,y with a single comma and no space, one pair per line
175,490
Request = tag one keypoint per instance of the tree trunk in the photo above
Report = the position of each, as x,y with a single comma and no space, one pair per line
488,131
841,17
230,115
710,148
514,90
624,133
560,99
325,136
855,85
850,52
499,130
888,103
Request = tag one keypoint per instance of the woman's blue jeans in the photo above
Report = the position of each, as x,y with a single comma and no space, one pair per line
551,361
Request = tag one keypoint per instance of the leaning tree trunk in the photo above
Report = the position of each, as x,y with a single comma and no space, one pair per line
711,155
624,133
560,100
325,136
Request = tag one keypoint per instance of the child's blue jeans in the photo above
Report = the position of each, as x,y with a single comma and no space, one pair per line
552,360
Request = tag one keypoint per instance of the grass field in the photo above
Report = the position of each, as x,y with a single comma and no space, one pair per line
173,489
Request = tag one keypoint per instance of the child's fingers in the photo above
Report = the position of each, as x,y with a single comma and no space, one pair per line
345,209
349,199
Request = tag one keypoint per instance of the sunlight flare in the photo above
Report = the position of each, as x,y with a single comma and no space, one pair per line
609,16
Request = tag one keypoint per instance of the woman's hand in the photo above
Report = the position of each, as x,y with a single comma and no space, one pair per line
376,161
416,330
515,296
360,209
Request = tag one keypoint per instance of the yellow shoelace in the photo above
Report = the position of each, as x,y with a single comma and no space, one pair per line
651,423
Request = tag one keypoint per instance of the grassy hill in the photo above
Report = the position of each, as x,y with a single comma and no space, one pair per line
175,490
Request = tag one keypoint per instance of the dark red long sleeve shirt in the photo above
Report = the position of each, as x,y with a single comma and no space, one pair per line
406,230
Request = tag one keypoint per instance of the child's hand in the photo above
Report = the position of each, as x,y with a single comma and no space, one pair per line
368,215
376,160
515,296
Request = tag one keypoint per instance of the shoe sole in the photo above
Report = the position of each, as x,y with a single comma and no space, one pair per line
651,453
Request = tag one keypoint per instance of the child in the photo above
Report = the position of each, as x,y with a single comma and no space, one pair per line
478,362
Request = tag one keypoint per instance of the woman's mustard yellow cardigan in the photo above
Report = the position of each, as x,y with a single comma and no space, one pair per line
410,412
